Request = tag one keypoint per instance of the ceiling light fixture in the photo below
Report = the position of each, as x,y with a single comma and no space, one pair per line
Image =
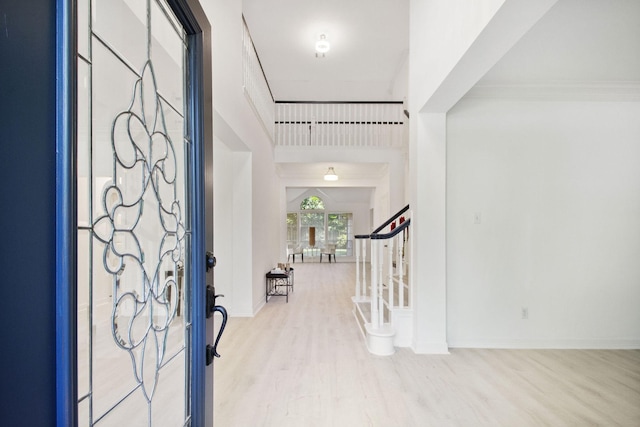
330,175
322,46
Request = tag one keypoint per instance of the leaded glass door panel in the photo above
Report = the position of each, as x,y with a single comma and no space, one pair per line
135,235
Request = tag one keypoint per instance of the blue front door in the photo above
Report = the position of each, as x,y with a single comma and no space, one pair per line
141,235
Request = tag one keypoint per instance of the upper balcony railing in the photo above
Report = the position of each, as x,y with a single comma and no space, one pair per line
340,124
255,84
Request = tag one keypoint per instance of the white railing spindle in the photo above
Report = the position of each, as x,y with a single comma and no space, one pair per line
375,321
364,267
380,247
390,274
358,285
336,124
400,268
256,87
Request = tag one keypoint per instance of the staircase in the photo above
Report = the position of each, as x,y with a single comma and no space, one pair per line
383,295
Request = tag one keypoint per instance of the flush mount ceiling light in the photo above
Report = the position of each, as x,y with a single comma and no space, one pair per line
330,175
322,46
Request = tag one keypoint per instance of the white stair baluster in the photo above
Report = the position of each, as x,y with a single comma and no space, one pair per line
357,270
375,321
390,278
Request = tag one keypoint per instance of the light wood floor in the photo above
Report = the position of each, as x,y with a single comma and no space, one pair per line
305,364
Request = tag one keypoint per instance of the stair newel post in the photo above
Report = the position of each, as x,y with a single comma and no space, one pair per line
357,269
400,268
380,262
364,266
391,282
375,322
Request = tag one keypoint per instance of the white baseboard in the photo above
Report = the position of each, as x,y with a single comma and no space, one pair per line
241,314
569,344
430,348
258,307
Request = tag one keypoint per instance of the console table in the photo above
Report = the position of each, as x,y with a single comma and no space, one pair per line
278,284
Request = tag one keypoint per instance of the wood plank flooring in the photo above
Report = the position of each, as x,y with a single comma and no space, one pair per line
304,364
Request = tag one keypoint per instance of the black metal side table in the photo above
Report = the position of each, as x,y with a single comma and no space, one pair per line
278,284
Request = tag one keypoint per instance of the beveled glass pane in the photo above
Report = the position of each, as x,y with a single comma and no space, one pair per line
139,275
84,140
129,413
83,414
84,32
167,53
113,89
172,19
175,161
167,410
122,25
111,366
84,307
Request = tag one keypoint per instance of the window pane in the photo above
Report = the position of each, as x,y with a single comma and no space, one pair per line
310,203
312,219
292,228
340,232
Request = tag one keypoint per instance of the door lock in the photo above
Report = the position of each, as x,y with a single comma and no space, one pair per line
210,260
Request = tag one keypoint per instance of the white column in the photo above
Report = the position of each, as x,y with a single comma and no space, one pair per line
428,243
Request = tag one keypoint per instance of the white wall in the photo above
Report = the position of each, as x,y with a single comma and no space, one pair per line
440,33
452,45
557,187
222,217
252,173
233,229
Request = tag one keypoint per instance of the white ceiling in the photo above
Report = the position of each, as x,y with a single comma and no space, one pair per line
576,41
337,195
345,171
369,44
306,172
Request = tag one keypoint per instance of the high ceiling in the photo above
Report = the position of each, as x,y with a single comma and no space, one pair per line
369,47
577,41
344,170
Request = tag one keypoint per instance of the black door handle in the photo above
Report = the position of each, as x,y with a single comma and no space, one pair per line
212,308
223,311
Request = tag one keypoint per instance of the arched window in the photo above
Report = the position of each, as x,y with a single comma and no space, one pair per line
312,228
312,203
